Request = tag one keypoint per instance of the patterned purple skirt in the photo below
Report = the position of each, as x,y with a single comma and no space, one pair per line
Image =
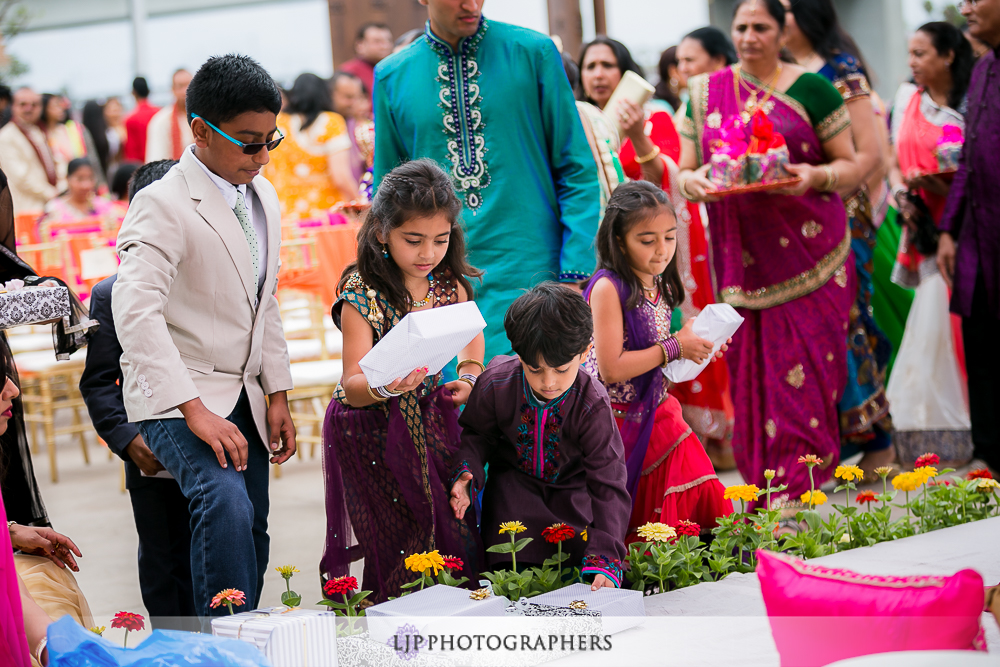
374,490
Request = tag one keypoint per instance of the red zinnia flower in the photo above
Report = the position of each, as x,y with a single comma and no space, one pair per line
128,620
453,563
558,532
927,460
340,586
865,497
979,473
685,527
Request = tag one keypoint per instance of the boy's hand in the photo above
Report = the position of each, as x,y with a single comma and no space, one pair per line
460,499
460,391
600,581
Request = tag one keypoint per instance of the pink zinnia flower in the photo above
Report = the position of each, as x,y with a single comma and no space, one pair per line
230,597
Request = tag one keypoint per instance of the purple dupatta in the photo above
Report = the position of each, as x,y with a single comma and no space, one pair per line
637,425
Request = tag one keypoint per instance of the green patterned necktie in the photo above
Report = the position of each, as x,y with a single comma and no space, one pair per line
243,215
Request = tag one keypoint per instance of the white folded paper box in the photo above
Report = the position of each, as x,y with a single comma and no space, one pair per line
429,338
421,609
620,609
716,323
32,305
287,637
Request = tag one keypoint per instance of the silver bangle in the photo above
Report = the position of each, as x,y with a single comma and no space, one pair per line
385,393
468,377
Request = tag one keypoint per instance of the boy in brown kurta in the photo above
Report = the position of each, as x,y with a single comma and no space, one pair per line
547,432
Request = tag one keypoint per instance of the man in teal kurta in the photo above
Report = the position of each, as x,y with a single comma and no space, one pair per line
491,104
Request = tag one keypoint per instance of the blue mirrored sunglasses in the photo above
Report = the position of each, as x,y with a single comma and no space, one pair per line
248,149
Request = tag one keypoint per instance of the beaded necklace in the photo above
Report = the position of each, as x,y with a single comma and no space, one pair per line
426,301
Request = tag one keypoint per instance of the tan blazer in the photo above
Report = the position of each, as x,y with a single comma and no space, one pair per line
184,301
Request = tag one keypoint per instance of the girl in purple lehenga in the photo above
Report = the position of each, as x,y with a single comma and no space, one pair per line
783,258
387,451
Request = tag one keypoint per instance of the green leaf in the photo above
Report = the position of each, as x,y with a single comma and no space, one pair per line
358,597
503,548
523,542
291,599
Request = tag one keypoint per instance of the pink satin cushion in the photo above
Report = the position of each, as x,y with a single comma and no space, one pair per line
819,615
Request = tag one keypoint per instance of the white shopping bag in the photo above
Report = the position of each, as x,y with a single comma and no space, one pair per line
429,338
716,323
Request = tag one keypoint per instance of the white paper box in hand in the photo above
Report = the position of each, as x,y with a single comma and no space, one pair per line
633,88
288,637
429,338
716,323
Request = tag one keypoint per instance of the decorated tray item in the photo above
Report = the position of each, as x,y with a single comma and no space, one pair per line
288,637
750,159
31,305
949,148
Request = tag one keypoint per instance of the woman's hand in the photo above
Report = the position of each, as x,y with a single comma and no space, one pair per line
45,542
812,177
699,187
933,184
693,347
460,391
460,499
409,383
632,119
600,581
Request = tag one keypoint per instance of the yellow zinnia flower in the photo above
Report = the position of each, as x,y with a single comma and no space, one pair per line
987,485
907,481
814,498
425,561
925,473
883,471
744,492
849,473
583,534
657,532
98,630
512,527
286,571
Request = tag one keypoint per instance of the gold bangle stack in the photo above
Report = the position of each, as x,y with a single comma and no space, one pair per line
649,156
482,368
378,399
832,179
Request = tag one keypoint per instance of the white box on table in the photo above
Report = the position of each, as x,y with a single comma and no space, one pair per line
31,305
620,609
288,637
422,610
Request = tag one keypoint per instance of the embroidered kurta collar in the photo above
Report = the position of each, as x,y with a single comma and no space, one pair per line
472,40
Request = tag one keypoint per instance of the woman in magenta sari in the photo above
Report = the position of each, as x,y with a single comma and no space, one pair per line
780,257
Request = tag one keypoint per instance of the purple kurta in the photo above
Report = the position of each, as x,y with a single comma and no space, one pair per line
972,214
563,462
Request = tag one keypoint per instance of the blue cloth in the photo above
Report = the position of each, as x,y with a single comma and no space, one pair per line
229,541
161,514
70,645
499,116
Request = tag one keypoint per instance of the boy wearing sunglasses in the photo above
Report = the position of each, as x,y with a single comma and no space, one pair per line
201,336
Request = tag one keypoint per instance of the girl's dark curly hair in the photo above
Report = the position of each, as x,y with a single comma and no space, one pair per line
416,189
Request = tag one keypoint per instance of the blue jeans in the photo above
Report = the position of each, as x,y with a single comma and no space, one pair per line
229,541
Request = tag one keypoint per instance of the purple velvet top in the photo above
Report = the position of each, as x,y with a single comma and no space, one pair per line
972,214
557,462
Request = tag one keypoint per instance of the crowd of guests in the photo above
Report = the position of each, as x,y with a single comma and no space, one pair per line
560,413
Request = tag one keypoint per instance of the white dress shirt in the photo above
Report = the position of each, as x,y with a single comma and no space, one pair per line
257,217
